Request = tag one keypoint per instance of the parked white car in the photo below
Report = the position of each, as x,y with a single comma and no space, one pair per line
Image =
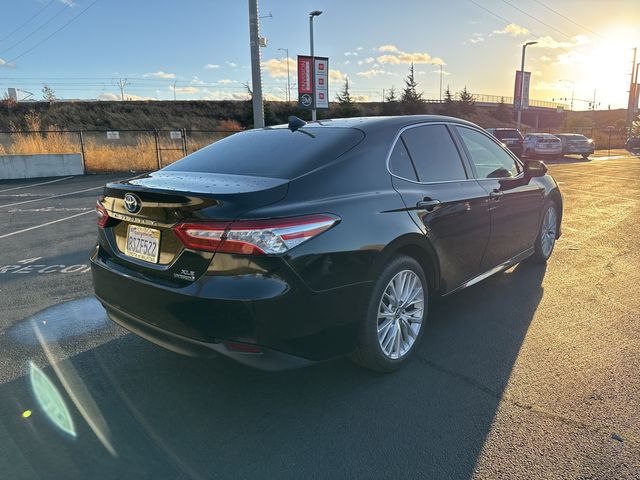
575,143
541,145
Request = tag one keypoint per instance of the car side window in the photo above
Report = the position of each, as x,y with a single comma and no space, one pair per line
490,160
400,163
434,154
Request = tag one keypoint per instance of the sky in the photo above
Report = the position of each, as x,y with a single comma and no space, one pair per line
83,49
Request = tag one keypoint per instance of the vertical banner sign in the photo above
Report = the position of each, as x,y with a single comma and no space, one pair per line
305,82
518,86
321,82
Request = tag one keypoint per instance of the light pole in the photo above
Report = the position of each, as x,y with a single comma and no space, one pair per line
573,90
520,103
256,74
440,83
288,76
313,14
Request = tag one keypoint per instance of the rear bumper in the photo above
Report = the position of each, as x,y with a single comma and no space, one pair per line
276,312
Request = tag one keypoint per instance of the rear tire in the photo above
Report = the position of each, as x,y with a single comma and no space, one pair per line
547,234
394,318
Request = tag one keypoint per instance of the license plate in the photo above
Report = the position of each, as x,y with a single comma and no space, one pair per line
143,243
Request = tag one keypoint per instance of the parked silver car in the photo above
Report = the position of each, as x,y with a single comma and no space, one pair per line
541,145
574,143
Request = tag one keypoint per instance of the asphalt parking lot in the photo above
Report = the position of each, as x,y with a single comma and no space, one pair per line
531,374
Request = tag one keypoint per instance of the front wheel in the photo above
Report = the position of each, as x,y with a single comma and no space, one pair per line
394,318
546,240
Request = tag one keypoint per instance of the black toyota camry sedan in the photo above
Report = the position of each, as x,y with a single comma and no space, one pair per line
298,243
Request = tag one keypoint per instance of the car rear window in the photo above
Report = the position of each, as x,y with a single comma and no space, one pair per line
275,152
502,134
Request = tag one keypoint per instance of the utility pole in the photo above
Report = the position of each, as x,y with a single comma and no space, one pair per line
440,83
122,82
288,75
174,90
256,74
632,97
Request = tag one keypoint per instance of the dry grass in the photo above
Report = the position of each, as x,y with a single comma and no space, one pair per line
137,153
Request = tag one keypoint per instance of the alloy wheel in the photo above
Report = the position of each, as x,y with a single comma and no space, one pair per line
400,314
549,231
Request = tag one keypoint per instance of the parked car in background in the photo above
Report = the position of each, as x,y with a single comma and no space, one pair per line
541,145
574,143
633,143
290,244
511,137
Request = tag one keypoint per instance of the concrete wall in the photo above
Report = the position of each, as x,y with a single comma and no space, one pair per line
41,165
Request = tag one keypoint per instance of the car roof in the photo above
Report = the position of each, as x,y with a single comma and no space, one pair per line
376,123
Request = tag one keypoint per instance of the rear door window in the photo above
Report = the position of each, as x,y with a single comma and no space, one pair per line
272,152
400,163
489,158
434,154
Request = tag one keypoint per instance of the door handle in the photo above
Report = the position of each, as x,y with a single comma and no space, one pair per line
496,195
427,204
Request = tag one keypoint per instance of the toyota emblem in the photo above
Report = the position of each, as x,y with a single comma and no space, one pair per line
132,203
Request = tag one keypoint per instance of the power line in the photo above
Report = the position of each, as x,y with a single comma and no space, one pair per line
568,19
54,32
36,30
29,20
536,19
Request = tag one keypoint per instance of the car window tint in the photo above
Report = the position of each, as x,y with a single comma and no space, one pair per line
271,152
490,160
434,154
400,162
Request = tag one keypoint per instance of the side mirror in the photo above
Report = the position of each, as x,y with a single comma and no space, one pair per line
534,168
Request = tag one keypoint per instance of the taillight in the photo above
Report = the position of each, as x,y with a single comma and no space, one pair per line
103,215
253,237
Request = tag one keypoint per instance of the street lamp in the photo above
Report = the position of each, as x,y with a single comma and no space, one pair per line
520,104
315,13
288,76
573,89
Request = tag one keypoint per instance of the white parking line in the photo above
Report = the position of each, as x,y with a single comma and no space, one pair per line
44,224
51,196
35,184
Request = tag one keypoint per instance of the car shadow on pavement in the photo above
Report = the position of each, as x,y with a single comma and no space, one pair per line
566,159
142,412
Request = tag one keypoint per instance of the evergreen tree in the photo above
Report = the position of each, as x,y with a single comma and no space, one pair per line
466,103
449,106
411,99
391,106
502,112
346,104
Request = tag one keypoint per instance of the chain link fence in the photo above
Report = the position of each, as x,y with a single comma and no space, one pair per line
113,150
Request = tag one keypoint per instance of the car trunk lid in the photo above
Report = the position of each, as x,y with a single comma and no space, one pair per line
145,209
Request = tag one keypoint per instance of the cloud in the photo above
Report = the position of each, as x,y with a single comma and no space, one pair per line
160,74
369,60
571,57
375,72
337,76
551,43
112,97
513,30
196,81
476,38
226,81
444,72
388,48
68,3
223,95
5,64
211,66
231,64
186,90
277,68
545,58
350,54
